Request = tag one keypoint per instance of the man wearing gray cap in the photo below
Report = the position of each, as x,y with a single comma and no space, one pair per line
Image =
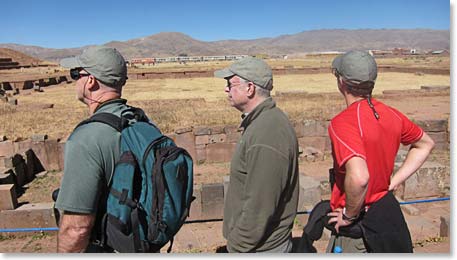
262,197
92,150
365,140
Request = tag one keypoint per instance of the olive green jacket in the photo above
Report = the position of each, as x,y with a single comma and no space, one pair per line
262,197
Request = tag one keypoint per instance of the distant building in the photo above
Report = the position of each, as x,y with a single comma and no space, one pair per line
440,52
380,53
324,53
181,59
404,51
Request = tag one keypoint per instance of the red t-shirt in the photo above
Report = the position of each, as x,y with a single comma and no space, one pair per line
356,132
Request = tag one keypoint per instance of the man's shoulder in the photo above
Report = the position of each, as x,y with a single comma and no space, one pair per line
346,117
270,128
93,133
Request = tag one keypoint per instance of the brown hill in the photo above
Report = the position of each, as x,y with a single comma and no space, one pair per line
23,59
173,43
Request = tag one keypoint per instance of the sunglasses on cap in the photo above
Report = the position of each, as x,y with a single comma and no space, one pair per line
76,74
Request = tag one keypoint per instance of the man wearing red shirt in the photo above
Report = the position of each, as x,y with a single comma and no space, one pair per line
365,140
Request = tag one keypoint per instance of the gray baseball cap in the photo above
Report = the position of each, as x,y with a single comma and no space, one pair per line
356,66
104,63
251,69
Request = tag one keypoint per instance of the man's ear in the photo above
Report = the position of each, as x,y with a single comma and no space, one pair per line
251,89
92,83
341,84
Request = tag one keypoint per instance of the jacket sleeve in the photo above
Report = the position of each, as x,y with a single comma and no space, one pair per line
267,175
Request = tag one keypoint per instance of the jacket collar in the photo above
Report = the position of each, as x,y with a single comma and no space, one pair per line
267,104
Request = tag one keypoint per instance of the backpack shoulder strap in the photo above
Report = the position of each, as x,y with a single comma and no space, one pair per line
114,121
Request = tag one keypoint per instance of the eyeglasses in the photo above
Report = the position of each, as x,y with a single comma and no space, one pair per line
230,85
76,74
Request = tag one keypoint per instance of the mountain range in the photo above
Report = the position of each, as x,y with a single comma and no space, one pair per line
174,44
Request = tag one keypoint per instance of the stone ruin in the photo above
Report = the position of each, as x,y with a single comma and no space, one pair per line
21,161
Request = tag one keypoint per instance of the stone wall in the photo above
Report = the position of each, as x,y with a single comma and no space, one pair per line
213,143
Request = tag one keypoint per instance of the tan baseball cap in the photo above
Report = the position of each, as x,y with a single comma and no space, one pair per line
251,69
356,66
104,63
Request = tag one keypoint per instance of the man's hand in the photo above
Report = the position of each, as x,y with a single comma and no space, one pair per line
337,218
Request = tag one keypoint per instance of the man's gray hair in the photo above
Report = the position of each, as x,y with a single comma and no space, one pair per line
262,92
259,90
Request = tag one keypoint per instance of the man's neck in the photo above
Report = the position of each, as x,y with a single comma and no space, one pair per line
350,99
93,105
253,104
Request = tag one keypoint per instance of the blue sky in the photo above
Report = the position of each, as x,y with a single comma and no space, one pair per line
66,24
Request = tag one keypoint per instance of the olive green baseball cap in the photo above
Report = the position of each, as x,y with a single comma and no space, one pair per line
251,69
104,63
356,66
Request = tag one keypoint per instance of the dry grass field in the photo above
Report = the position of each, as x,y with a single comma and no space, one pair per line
167,100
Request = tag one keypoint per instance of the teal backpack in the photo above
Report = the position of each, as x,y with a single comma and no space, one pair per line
150,192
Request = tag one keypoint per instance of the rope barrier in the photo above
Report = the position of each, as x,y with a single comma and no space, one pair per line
206,220
424,201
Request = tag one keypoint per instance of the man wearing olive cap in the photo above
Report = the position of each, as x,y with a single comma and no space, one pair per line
365,140
92,150
261,202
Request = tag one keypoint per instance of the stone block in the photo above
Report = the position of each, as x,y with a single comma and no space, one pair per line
431,180
12,101
48,152
6,161
299,128
433,125
444,226
187,141
202,139
217,138
309,192
8,198
39,137
212,200
232,129
7,176
233,137
202,130
61,149
172,136
438,88
6,148
314,128
196,206
218,129
319,143
35,215
183,130
441,140
200,153
410,209
220,152
312,154
328,144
